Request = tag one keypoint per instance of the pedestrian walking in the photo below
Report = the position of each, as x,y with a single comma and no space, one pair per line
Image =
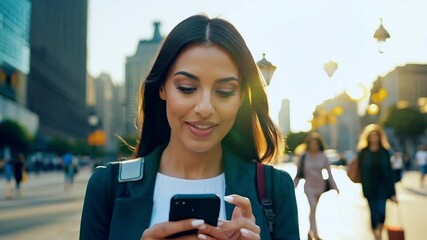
421,158
310,167
376,174
18,166
397,165
69,166
205,128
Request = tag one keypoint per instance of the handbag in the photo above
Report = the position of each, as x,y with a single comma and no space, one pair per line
327,185
300,173
353,171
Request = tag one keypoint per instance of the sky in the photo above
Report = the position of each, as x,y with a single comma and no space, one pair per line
298,36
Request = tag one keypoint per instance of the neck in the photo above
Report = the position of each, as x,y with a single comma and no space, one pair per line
177,161
374,146
314,152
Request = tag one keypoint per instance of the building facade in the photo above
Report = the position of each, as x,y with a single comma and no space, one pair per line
15,63
284,117
405,86
57,79
338,122
137,69
109,108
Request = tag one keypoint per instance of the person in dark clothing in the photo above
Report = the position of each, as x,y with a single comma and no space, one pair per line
377,176
18,169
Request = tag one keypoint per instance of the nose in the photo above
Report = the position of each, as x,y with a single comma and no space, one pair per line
205,107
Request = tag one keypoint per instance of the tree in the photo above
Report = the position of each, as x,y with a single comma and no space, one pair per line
60,146
15,136
406,122
295,139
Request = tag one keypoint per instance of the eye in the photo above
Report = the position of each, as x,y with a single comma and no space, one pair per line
225,93
186,90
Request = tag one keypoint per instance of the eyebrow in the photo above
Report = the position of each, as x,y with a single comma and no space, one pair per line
196,78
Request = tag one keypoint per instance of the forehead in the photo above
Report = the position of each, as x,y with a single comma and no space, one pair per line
205,57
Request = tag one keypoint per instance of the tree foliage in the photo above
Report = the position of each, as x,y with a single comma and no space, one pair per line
405,122
60,146
295,139
15,136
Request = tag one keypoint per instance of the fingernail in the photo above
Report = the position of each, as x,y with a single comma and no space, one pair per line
202,236
219,224
202,227
196,223
228,198
244,231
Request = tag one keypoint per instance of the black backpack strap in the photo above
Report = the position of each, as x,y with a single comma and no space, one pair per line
265,192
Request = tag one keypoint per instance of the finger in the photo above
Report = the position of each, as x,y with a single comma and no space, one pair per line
239,223
247,234
211,231
165,229
242,202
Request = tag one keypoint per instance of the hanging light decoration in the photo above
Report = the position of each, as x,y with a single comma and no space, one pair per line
330,68
381,35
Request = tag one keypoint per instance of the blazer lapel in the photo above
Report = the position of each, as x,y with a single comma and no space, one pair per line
239,178
132,213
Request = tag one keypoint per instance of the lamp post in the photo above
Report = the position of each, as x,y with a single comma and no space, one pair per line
381,35
267,69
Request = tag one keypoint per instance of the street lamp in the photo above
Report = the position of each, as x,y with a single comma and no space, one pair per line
381,35
267,69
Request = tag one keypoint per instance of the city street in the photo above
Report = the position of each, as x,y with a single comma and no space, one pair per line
46,211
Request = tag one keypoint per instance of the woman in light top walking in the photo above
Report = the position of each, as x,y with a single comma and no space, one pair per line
310,167
421,157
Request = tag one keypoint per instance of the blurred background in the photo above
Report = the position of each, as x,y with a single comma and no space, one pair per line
70,73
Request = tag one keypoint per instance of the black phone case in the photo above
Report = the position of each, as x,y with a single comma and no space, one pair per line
197,206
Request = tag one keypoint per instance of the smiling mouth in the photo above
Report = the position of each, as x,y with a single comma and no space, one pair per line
201,127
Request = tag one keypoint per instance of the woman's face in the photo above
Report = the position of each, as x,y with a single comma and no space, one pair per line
314,145
203,94
374,137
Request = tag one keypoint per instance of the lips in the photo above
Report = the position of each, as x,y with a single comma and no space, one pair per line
201,129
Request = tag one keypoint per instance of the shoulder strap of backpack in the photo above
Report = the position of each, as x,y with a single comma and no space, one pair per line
265,192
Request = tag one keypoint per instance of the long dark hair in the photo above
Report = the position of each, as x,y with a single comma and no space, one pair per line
253,135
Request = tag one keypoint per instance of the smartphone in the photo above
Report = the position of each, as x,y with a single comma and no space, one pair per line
197,206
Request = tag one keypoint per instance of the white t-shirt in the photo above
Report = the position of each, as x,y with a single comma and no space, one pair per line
421,157
167,186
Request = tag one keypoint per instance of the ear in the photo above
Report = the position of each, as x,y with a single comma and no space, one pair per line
162,93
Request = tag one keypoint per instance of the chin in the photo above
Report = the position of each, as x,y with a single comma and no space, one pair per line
200,147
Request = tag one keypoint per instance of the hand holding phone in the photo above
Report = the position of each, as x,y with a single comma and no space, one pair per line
194,206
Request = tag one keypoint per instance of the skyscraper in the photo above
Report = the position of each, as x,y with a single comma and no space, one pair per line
284,117
14,48
137,69
57,79
15,63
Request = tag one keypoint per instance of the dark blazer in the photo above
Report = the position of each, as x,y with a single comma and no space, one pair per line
376,174
131,212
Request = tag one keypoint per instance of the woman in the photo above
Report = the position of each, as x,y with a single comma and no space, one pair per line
204,118
376,174
421,157
310,167
18,171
